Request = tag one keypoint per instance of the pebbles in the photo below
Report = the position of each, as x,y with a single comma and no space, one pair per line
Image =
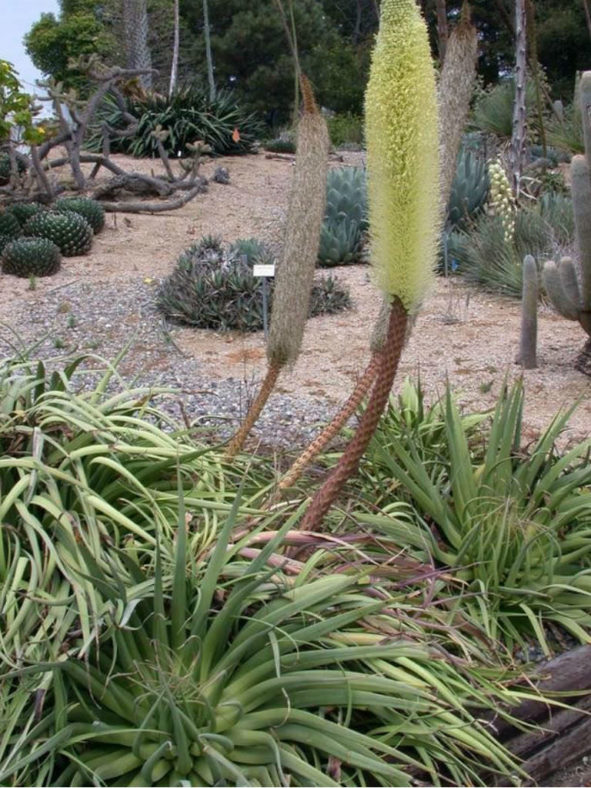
103,317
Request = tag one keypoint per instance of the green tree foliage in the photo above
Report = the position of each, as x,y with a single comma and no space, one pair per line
15,106
52,41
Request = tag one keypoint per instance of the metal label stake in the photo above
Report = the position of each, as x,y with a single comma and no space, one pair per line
265,272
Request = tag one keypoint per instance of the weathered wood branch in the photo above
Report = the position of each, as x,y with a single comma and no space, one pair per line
154,207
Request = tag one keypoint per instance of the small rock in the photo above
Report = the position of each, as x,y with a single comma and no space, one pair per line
221,175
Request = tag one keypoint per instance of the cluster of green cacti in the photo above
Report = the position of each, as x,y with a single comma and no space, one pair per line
214,287
89,209
5,167
469,190
24,210
9,225
501,198
68,230
30,257
345,218
569,292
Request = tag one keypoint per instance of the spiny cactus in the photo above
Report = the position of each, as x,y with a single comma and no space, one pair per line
31,257
571,293
24,210
9,224
89,209
68,230
529,314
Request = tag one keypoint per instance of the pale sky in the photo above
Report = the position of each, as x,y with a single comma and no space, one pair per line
16,18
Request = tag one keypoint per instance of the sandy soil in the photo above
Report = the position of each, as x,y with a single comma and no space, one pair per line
462,334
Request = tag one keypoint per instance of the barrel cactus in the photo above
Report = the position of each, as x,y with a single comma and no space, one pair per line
9,224
31,257
68,230
89,209
24,210
569,290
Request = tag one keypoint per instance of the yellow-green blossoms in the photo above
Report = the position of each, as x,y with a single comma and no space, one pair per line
501,199
402,155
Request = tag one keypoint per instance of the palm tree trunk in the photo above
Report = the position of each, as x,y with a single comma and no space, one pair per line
442,31
136,29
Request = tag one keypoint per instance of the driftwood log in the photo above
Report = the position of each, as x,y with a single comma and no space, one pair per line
555,735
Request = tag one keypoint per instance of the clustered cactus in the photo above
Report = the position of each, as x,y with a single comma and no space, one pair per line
501,199
89,209
68,230
569,291
30,257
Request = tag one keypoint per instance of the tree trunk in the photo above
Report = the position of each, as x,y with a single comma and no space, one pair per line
136,27
442,31
174,66
518,137
587,16
208,57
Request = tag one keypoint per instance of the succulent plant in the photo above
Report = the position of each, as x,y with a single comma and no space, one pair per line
345,217
31,257
5,239
212,287
24,210
9,224
469,190
68,230
340,243
569,292
89,209
529,314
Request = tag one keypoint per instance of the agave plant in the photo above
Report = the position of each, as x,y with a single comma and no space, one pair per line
220,671
513,525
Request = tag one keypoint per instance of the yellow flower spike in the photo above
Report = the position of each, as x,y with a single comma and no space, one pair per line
402,155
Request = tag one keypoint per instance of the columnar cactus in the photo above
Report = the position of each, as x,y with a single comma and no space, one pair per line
529,314
404,206
501,198
571,294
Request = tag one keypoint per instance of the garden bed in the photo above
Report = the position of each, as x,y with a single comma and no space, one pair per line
99,302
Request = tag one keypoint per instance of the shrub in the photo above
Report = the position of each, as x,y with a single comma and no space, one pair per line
215,288
493,109
284,143
510,524
188,116
485,256
346,130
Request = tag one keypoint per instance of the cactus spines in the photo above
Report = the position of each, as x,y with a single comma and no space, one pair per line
31,257
571,294
562,300
529,314
581,193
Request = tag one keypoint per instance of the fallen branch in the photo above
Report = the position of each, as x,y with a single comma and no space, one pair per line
154,207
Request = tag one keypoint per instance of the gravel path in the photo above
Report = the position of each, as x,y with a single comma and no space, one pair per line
100,318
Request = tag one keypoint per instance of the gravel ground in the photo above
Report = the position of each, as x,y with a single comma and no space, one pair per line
100,318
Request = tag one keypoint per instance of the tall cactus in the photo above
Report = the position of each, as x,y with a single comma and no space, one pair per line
571,294
403,198
529,314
